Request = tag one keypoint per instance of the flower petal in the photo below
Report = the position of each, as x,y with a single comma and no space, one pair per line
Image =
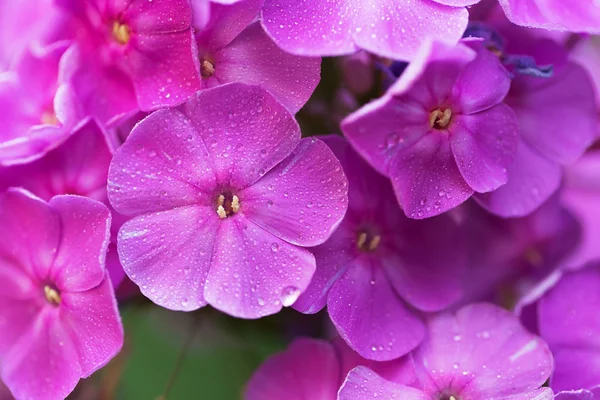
168,254
484,146
364,384
532,179
164,69
156,17
331,28
308,369
31,233
226,22
44,364
163,164
483,351
332,259
246,130
426,178
483,83
95,325
559,118
80,261
254,58
425,262
254,273
303,199
370,316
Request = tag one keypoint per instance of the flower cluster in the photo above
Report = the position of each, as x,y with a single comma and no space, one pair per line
433,183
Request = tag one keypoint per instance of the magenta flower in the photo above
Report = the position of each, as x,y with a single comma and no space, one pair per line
389,29
509,257
441,132
58,313
225,194
37,112
315,369
569,321
579,16
481,352
149,42
78,166
378,267
558,121
233,47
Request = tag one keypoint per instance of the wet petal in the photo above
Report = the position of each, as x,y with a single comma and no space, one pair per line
364,384
246,130
163,164
253,273
95,324
532,179
420,173
44,364
484,350
168,254
484,146
370,316
164,69
303,199
226,22
254,58
85,233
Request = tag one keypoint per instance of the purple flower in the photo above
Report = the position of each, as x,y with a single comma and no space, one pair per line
58,313
569,321
481,352
580,16
150,42
37,112
558,120
390,29
225,194
441,132
509,257
315,369
379,266
233,47
78,166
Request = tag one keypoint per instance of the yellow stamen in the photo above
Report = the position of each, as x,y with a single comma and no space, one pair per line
235,204
362,239
121,33
439,119
374,243
207,69
227,207
49,118
52,295
367,243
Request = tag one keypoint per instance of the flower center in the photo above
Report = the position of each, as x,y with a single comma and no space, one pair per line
367,242
49,118
440,119
227,205
52,295
121,33
207,69
444,396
